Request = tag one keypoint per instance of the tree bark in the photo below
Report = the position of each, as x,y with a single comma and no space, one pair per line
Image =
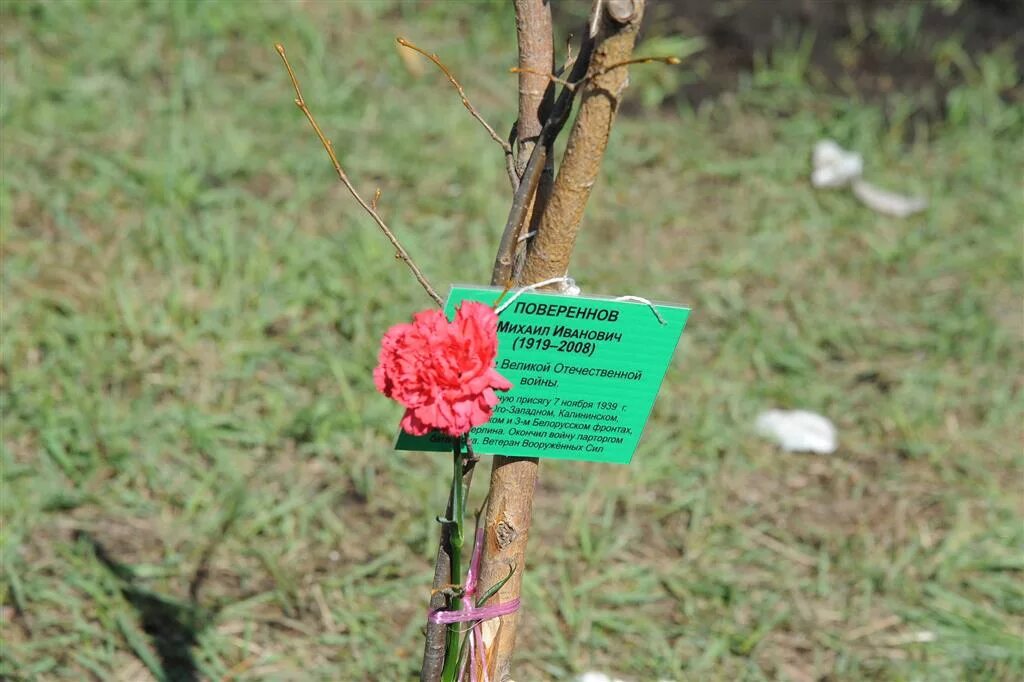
514,480
535,38
536,95
551,249
536,50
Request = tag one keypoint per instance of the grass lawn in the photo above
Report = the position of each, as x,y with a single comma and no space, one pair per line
198,478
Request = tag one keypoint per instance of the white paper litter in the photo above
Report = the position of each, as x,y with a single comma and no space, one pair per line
798,431
885,202
601,677
596,677
832,167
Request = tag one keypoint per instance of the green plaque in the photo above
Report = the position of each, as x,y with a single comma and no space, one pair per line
585,372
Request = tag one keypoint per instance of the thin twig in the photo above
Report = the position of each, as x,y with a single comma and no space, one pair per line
572,86
462,93
569,59
329,148
510,162
550,76
502,273
671,60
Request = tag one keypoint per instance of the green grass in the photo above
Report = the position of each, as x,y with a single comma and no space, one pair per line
192,306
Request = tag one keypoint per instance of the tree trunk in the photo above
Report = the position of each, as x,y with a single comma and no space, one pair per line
514,480
534,34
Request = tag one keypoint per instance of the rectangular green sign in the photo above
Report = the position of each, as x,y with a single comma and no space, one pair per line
585,372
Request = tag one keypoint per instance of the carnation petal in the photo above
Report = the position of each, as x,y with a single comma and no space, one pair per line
498,382
413,426
442,372
380,379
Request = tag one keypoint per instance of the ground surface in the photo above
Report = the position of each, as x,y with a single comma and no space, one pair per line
198,478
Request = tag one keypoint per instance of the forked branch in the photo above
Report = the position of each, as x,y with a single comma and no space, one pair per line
401,253
540,159
602,88
574,85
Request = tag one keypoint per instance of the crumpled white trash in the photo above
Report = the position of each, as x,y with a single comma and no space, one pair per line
798,431
596,677
886,202
601,677
832,166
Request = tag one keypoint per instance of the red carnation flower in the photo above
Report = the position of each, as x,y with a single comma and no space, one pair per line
442,372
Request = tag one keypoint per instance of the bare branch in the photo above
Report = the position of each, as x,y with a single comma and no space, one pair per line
602,88
502,272
671,60
574,85
506,147
510,161
549,76
569,59
540,162
401,253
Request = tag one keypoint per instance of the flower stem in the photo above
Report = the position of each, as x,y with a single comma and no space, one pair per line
456,539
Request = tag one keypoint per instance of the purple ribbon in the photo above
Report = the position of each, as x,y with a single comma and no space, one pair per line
469,612
473,613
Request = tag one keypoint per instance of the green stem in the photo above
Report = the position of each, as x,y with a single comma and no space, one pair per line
456,538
